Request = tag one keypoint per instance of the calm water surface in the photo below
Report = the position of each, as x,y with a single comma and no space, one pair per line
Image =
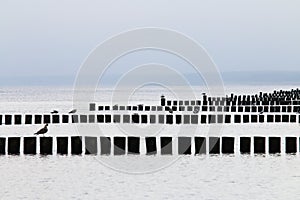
190,177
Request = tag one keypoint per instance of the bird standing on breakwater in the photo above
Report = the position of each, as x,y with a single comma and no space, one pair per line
72,111
54,112
42,131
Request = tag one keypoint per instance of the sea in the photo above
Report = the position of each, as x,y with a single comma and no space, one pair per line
223,177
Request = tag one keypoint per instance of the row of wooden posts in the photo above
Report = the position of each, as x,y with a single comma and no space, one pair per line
121,145
148,119
204,108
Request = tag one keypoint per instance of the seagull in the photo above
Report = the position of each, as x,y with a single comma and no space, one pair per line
261,112
170,111
54,112
72,111
42,131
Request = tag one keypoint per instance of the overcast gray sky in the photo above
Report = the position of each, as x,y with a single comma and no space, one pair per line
54,37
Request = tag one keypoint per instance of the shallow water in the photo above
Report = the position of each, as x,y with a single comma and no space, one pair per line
189,177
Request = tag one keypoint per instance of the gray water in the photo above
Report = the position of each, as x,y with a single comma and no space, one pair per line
188,177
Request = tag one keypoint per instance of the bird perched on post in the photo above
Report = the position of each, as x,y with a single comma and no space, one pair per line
54,112
72,111
42,131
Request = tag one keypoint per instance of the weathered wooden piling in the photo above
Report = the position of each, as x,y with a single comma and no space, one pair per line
227,145
237,118
184,146
8,119
2,146
91,146
75,119
92,106
254,118
220,119
151,148
290,145
245,145
46,145
246,119
83,118
293,118
37,119
259,145
270,118
92,118
166,145
65,119
76,145
261,118
200,145
144,119
285,118
28,119
214,145
274,145
100,119
55,119
119,145
126,119
161,119
29,145
133,145
211,119
203,119
194,119
152,119
186,119
117,118
227,119
135,118
107,118
277,118
105,145
47,119
13,145
18,119
169,119
62,145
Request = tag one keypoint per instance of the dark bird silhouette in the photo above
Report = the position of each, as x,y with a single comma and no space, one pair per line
170,111
54,112
72,111
42,131
261,112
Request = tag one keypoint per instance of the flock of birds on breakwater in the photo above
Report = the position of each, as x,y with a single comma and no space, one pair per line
45,129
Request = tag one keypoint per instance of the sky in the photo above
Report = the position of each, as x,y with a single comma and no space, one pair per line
52,38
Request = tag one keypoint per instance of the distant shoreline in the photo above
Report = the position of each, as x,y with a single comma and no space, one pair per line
235,78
